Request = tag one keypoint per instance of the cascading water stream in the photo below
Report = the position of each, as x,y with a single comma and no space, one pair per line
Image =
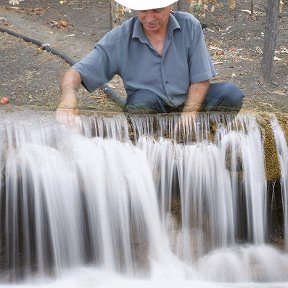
282,150
183,201
210,193
65,192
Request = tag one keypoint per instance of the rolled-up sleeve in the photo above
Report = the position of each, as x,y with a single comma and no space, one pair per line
200,63
97,68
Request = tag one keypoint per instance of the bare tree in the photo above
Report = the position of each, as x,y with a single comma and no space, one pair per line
270,36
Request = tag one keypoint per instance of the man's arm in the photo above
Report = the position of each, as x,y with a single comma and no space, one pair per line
69,86
196,96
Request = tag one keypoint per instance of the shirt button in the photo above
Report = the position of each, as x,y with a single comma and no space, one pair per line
166,82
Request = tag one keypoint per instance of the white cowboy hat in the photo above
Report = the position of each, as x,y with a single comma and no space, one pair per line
145,4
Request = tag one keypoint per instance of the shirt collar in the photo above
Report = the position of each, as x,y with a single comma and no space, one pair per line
139,33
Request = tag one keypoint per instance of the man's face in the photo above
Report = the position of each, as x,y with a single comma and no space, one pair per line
155,19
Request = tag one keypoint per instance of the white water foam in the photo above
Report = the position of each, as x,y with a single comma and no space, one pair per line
83,211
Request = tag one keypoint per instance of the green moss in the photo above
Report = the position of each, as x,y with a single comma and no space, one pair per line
271,158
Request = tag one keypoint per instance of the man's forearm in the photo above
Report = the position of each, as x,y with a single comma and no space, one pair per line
70,83
196,96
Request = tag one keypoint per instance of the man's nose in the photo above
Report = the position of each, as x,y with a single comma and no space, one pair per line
149,14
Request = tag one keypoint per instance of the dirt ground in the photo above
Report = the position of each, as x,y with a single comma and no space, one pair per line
30,76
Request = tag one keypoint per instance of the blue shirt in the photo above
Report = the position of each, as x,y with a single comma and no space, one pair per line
126,51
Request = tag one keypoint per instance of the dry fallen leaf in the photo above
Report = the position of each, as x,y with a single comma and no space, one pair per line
246,11
63,23
58,23
218,62
279,92
39,50
246,59
219,53
281,6
259,50
232,4
215,48
15,2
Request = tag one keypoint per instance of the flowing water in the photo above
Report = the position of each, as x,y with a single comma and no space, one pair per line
282,150
143,201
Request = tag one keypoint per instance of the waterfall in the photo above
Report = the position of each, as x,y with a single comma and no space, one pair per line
213,195
138,198
282,150
76,200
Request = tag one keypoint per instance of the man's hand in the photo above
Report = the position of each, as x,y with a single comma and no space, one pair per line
186,125
66,115
188,118
196,96
67,112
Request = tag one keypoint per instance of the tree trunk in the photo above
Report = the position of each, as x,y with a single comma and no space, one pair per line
270,37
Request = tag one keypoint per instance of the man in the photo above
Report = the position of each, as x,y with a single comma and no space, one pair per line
163,60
